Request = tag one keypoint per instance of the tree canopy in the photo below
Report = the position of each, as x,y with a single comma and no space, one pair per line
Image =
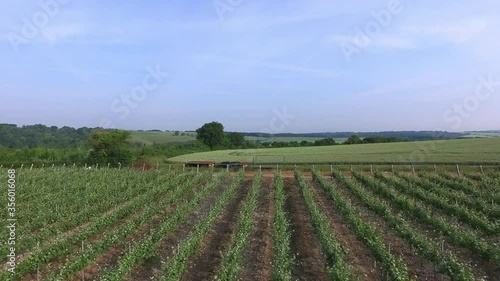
354,139
211,134
109,147
236,140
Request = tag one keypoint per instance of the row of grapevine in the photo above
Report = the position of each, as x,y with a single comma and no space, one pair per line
176,265
456,196
231,262
117,236
474,219
364,231
461,183
490,182
145,248
283,260
338,266
107,196
432,251
43,255
453,234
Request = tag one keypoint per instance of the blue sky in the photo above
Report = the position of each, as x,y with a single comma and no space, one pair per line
266,66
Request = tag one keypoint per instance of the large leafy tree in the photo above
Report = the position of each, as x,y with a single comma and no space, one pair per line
211,134
109,147
236,140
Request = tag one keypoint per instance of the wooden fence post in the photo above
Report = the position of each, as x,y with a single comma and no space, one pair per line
371,169
392,167
413,169
458,170
481,168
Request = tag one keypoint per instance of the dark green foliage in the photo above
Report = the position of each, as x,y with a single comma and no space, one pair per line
379,140
323,142
236,140
109,147
354,139
31,136
211,134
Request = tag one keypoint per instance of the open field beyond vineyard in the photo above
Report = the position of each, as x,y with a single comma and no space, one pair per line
110,224
483,150
150,137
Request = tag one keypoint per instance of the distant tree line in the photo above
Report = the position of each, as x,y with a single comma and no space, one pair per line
354,139
213,136
399,135
42,144
12,136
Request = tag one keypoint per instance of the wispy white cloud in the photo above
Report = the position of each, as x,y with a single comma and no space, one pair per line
384,41
421,36
53,34
457,32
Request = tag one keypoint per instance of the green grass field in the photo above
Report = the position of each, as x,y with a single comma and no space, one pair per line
483,135
484,150
149,138
290,139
